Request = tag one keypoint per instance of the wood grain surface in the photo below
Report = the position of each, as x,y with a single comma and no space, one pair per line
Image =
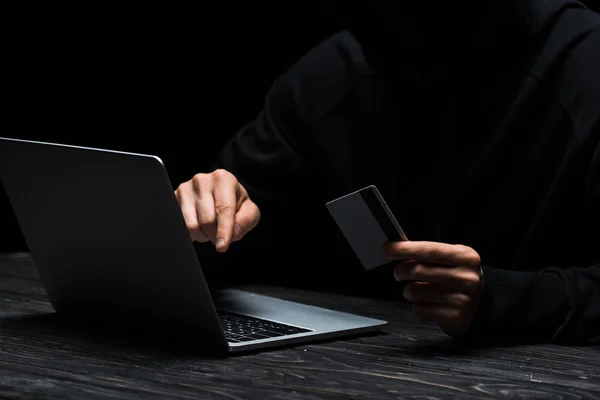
43,356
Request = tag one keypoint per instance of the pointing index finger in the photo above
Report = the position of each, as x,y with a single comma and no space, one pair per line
225,208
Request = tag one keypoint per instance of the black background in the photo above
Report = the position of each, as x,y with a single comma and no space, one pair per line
174,81
171,81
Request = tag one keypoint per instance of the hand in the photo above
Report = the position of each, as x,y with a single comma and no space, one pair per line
217,208
449,282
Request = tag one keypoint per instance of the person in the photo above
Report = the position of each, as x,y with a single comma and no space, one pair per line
482,132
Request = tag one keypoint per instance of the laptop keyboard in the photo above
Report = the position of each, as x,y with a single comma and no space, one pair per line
242,328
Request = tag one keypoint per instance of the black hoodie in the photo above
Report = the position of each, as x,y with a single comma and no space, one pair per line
484,133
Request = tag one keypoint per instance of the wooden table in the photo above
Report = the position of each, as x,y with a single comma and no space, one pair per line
42,356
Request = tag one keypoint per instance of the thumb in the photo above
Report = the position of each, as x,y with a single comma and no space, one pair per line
246,218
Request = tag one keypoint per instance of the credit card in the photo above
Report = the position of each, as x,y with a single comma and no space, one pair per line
367,223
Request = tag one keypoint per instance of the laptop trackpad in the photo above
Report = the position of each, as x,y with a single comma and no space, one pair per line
252,304
271,308
317,319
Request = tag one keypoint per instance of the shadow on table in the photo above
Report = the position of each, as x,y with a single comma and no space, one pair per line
58,331
447,346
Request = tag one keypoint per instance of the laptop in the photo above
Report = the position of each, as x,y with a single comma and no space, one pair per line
108,239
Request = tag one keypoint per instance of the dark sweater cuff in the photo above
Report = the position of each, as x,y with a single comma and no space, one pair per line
519,306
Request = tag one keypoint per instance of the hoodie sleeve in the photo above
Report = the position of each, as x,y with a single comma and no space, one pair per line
267,157
273,155
560,305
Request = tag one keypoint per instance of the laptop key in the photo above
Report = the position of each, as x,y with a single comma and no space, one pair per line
241,328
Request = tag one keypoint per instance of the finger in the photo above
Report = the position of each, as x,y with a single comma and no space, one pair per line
432,252
432,293
201,194
205,214
452,278
188,209
225,198
246,219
